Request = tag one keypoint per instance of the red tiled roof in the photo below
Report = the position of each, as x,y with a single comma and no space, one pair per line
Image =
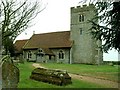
49,40
19,45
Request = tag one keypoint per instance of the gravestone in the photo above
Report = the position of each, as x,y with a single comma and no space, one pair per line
10,73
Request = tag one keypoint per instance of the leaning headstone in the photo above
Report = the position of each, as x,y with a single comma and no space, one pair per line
10,73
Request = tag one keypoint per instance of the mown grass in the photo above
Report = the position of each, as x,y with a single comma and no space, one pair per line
26,82
101,71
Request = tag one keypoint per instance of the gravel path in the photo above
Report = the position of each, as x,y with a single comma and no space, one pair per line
106,83
102,82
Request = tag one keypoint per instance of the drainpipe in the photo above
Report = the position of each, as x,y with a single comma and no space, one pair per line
70,56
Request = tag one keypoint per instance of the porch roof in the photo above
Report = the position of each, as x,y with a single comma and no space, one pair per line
46,51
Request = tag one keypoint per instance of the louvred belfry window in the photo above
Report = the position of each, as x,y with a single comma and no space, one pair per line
81,18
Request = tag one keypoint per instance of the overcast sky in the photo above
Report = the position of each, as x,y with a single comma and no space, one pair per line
56,17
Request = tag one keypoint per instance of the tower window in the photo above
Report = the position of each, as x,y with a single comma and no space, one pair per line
81,31
81,18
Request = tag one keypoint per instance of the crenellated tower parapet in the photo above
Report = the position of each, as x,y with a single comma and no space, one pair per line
82,8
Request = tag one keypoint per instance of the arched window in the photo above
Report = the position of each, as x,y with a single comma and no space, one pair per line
61,55
40,51
29,54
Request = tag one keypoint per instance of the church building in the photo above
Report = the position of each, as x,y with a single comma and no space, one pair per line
74,46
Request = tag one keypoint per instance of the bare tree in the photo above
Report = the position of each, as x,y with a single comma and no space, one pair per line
16,16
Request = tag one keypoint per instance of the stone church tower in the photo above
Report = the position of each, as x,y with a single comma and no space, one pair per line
85,48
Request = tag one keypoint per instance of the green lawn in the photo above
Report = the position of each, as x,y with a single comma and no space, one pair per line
26,82
101,71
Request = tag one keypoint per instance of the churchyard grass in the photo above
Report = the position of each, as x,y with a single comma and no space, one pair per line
101,71
26,82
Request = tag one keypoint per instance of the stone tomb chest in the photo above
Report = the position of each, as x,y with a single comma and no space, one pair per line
57,77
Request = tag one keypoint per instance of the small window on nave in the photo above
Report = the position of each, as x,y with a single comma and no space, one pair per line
61,55
29,54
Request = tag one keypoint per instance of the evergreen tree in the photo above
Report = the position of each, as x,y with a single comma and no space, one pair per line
108,26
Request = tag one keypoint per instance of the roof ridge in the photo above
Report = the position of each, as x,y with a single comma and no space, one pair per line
51,32
22,40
